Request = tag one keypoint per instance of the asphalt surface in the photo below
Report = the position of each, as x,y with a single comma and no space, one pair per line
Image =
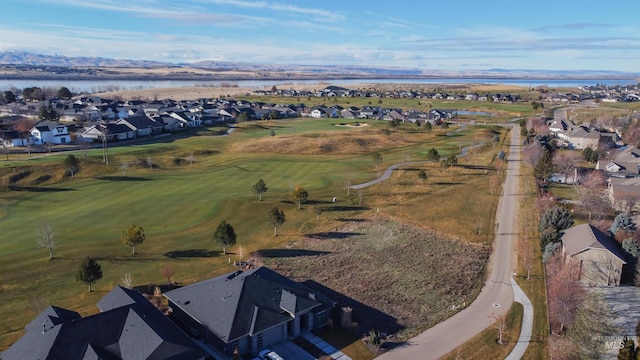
496,296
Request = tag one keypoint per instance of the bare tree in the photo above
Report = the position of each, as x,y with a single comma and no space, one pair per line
4,140
543,203
168,272
191,158
537,126
564,292
127,280
532,153
494,184
627,202
501,324
105,153
347,183
592,196
565,162
124,165
84,148
593,319
46,238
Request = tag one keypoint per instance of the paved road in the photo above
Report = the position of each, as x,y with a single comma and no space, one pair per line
496,296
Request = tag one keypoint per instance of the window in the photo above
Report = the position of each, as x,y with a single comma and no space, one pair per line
259,341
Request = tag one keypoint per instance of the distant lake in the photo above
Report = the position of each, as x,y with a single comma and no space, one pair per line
91,86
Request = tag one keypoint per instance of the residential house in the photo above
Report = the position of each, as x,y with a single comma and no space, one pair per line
127,327
596,254
249,310
153,109
319,113
50,132
142,125
582,138
623,192
108,132
190,119
625,161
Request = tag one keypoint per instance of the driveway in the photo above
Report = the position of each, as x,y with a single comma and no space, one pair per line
290,351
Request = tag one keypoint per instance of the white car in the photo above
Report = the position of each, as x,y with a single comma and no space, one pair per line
267,354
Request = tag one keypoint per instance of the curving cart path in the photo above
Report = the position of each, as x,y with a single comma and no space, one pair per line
497,295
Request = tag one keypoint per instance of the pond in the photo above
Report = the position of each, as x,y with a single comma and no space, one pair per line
470,112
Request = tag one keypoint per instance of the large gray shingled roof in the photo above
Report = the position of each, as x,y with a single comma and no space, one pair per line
244,303
130,328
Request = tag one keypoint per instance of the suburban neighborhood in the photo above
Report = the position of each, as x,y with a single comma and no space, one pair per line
247,311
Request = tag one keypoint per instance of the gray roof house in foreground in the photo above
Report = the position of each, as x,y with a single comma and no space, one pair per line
248,310
128,327
596,254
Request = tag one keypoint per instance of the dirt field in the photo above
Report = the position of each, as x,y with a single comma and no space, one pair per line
399,279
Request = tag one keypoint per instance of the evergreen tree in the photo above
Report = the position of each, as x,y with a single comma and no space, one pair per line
552,222
260,188
433,155
544,168
622,221
72,164
422,175
64,93
276,218
48,113
224,236
9,96
89,272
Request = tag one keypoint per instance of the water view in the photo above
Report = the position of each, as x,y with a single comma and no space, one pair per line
93,86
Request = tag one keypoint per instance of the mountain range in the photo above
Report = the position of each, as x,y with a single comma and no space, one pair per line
21,60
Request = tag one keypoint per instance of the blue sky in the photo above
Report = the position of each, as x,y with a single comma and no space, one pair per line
439,35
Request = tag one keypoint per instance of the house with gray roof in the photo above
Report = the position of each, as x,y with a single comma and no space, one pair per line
599,259
142,125
50,132
248,310
625,160
128,327
582,138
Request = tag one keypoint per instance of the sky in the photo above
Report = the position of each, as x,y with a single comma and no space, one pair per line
457,35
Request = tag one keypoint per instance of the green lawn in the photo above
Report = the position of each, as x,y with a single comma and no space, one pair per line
178,204
485,345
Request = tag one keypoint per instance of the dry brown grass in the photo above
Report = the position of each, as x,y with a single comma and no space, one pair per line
176,70
358,142
457,87
397,277
195,92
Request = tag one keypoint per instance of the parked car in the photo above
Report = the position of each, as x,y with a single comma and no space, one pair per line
267,354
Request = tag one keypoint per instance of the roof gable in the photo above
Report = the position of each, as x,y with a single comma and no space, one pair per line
585,237
135,330
244,303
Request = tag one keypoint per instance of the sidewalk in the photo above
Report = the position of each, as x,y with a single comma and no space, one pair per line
527,323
